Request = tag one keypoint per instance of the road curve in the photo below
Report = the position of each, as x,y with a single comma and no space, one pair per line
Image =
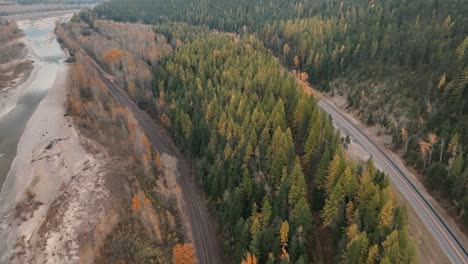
208,248
411,190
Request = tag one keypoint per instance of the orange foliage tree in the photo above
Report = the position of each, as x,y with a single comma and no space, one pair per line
136,203
249,259
146,148
112,55
158,161
424,147
183,254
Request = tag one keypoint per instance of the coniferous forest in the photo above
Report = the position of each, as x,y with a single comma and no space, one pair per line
217,75
401,65
269,159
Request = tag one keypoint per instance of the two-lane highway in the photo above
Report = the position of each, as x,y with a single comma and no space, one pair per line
402,179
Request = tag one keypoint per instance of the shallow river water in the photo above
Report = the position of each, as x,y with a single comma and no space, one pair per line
47,56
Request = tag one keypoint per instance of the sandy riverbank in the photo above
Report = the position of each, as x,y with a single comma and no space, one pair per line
54,195
45,14
23,70
14,88
19,99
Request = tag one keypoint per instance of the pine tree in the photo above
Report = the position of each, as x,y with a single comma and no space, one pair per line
386,215
333,205
301,215
312,139
246,185
391,248
248,153
350,183
333,170
356,249
266,212
298,185
349,212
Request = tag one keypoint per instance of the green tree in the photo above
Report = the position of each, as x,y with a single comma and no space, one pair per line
298,185
333,205
301,215
266,212
333,171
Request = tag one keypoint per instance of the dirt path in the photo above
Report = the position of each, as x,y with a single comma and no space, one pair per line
202,225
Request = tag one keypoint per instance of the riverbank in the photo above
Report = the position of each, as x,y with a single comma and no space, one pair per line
39,15
19,99
16,62
53,196
22,71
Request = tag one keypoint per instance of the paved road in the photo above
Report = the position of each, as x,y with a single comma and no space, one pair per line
208,247
411,190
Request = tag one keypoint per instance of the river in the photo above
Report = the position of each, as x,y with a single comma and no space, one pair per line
47,56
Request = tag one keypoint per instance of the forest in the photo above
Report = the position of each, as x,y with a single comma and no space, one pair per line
270,162
269,158
401,65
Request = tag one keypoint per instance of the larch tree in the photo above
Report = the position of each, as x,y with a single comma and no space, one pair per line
298,185
333,170
284,233
333,205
